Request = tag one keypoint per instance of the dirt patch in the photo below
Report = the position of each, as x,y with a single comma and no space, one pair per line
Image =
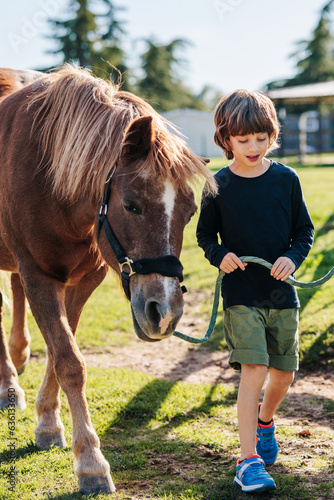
171,359
176,360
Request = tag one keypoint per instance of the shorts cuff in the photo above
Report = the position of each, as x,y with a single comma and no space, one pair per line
240,357
284,363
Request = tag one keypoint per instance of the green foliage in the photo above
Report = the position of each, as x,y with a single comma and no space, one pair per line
92,40
161,85
314,57
95,41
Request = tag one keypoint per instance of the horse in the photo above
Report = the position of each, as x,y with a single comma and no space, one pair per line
19,340
91,178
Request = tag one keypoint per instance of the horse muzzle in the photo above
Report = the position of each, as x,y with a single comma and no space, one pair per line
156,306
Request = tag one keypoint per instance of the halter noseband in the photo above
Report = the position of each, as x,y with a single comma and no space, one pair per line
166,265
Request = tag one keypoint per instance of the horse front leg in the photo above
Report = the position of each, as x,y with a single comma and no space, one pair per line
50,430
19,340
47,301
10,391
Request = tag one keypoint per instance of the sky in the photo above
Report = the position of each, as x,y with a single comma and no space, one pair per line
233,43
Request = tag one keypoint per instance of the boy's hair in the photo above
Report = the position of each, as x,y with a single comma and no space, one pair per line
244,112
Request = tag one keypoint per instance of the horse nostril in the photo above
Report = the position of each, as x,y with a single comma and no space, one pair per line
153,311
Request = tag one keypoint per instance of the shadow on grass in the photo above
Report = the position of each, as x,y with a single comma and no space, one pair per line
321,353
23,451
324,266
145,405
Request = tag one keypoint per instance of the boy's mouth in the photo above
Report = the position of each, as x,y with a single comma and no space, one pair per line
253,157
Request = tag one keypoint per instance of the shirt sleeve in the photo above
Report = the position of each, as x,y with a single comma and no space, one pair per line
302,227
207,232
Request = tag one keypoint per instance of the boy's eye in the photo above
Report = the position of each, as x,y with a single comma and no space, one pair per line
243,142
262,139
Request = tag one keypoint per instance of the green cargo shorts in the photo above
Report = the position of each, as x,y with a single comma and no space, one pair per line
262,336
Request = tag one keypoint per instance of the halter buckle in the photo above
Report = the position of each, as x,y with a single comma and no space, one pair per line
127,262
103,209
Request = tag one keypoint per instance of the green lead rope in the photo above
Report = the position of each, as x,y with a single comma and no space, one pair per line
254,260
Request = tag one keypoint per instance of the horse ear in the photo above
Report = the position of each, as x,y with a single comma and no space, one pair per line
138,137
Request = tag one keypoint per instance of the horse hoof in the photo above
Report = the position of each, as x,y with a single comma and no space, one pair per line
93,485
20,359
21,369
47,440
13,398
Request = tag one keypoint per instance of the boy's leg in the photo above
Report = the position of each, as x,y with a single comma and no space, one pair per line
250,473
275,392
251,383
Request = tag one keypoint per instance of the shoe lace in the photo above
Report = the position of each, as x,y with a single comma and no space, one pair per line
267,440
258,468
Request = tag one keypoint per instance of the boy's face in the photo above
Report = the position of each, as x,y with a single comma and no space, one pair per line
249,150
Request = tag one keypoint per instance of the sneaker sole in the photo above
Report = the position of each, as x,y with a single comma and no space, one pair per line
250,489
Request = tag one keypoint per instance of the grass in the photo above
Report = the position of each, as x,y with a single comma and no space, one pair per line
167,440
164,440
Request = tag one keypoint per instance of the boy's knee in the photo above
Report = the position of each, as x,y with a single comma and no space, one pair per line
282,379
288,377
254,370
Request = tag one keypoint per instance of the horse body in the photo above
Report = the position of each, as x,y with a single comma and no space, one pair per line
12,80
59,138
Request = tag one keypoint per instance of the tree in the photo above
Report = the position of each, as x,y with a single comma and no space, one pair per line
92,40
317,61
315,57
160,83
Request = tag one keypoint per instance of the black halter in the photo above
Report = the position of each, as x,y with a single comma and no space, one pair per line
166,265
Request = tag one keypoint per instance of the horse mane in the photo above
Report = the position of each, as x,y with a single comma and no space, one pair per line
81,121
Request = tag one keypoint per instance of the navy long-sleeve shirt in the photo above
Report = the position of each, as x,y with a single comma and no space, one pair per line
264,216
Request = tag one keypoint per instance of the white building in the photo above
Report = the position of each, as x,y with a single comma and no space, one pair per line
198,128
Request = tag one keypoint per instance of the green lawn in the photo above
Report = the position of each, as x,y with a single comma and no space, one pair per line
167,440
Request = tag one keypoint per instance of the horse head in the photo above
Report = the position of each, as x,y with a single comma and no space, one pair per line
97,132
148,212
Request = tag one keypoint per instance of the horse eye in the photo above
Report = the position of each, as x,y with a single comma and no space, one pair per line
131,207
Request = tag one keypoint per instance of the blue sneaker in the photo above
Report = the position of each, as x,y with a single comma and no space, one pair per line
266,445
251,475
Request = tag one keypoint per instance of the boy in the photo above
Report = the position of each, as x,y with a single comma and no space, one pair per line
259,211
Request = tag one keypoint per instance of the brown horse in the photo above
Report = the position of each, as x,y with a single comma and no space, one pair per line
19,340
61,137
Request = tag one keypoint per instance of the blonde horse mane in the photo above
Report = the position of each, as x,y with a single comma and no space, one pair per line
81,122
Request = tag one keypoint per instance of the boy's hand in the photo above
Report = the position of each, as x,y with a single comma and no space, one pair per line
282,268
231,262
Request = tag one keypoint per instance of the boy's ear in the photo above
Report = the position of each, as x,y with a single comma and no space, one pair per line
227,143
271,139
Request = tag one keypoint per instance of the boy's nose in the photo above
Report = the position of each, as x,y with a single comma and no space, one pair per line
253,147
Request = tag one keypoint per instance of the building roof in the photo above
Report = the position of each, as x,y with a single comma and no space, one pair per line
304,94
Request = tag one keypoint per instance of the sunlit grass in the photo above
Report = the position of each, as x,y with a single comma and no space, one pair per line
162,439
